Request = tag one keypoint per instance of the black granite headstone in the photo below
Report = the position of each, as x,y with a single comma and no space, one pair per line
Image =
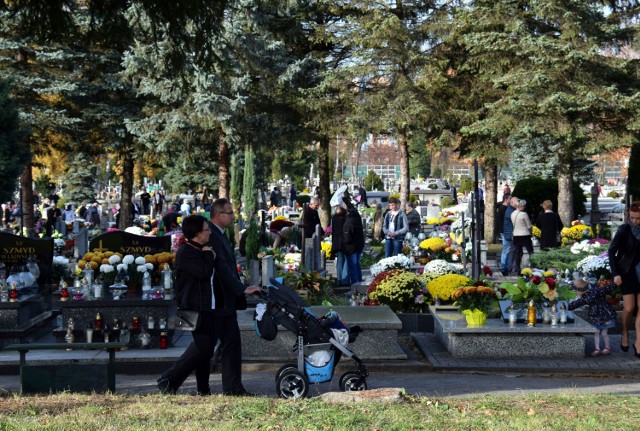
16,250
128,243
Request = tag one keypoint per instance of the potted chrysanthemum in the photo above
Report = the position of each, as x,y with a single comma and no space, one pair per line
474,302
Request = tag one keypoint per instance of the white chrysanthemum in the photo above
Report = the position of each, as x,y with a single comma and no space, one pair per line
128,259
60,260
594,265
106,268
140,260
114,259
439,267
58,242
141,268
121,267
394,262
149,266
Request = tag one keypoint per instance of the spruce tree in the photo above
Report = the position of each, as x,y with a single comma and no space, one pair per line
80,179
13,155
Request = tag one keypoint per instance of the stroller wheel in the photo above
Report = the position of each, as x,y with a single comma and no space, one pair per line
349,382
292,384
284,367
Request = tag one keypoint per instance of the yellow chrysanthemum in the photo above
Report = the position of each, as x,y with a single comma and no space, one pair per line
280,217
81,263
326,247
536,232
432,243
444,285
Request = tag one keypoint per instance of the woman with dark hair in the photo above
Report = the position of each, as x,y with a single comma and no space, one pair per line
194,291
624,260
337,246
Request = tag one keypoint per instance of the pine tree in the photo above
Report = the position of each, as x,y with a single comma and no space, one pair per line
547,68
80,179
13,156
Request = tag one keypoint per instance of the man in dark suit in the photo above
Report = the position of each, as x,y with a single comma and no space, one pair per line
229,294
310,217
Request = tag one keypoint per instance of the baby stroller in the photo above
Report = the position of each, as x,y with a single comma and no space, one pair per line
284,306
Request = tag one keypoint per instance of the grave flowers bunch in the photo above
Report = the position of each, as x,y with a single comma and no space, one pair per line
395,262
445,285
536,285
476,297
577,232
397,289
598,266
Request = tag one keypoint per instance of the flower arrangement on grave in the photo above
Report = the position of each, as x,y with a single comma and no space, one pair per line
433,244
60,269
109,264
536,232
589,246
290,262
536,285
326,247
443,286
476,297
598,266
394,262
439,267
577,232
398,289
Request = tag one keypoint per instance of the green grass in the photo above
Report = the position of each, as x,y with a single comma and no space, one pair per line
185,412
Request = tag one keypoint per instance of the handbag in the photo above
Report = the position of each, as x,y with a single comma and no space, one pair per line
626,255
187,320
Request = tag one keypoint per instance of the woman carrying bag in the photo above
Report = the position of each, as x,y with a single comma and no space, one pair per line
194,271
624,260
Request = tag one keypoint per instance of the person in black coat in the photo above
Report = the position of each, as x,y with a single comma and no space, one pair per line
353,240
413,218
550,226
342,267
53,214
193,278
310,217
624,260
229,294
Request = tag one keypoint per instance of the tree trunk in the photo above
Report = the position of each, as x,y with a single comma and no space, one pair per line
490,201
126,201
403,145
633,174
26,185
323,174
223,168
565,192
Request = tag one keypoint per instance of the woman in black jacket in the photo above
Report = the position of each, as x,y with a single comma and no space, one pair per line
337,246
624,260
353,240
194,291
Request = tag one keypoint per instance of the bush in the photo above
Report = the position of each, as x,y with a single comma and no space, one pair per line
535,190
446,202
373,182
466,184
613,194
